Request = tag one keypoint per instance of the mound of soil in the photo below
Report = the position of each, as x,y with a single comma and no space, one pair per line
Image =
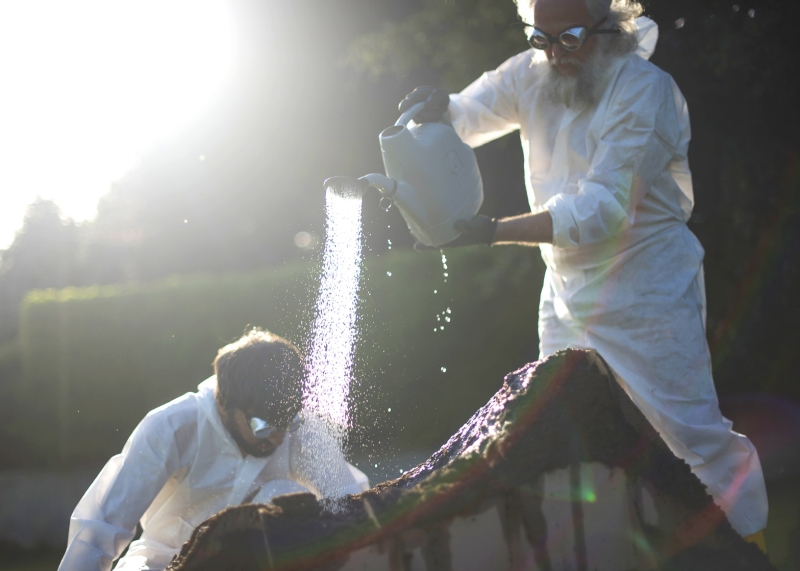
556,416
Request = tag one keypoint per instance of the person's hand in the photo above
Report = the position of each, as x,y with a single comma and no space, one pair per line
479,230
436,101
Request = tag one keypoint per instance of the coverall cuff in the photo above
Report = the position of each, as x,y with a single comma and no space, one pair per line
565,231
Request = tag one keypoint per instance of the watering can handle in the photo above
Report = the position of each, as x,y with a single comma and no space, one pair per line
406,117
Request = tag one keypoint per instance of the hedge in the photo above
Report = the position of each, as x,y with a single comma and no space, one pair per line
95,360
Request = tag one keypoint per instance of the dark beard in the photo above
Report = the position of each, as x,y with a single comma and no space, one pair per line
253,449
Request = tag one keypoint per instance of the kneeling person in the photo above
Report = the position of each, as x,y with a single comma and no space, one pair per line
242,437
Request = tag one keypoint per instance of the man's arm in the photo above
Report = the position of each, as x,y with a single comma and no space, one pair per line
488,108
525,229
105,519
640,138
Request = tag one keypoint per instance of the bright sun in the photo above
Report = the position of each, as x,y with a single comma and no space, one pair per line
89,83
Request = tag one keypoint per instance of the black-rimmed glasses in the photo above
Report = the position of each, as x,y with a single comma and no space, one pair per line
570,39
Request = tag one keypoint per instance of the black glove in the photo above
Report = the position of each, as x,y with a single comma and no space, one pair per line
479,230
436,102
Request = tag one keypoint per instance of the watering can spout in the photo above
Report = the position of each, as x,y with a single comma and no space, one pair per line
345,186
385,185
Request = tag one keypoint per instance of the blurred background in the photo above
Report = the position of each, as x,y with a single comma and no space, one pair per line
161,168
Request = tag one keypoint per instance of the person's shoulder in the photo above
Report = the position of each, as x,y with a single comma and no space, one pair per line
636,81
181,411
635,70
524,68
522,59
521,64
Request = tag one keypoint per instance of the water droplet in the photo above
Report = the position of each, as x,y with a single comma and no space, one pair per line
402,471
435,291
438,318
435,330
389,274
447,319
389,410
448,310
446,274
376,465
444,369
389,242
441,327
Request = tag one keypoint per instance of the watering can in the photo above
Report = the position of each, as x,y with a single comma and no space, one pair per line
431,175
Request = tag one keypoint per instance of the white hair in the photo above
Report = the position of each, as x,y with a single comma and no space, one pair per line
617,13
585,88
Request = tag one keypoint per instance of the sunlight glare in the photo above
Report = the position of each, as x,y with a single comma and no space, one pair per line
89,84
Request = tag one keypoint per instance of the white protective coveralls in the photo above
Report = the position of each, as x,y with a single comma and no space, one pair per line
181,466
624,273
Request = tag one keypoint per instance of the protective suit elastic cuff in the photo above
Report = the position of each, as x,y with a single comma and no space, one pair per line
565,231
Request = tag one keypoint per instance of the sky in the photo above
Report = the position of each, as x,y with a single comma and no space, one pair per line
89,85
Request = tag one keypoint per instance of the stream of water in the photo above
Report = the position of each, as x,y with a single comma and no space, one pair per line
334,333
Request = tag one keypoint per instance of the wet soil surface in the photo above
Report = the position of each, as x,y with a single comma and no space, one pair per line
550,415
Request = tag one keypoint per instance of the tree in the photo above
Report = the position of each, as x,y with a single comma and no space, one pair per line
44,254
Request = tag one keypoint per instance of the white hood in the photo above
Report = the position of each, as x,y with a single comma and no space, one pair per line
647,36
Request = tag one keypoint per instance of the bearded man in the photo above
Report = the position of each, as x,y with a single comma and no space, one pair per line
605,136
242,437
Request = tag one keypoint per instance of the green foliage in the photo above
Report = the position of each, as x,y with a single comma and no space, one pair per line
448,37
95,360
9,384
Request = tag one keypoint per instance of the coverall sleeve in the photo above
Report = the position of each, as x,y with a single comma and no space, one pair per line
640,137
105,519
317,462
487,109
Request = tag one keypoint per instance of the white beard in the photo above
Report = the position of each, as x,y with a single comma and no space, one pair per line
583,89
